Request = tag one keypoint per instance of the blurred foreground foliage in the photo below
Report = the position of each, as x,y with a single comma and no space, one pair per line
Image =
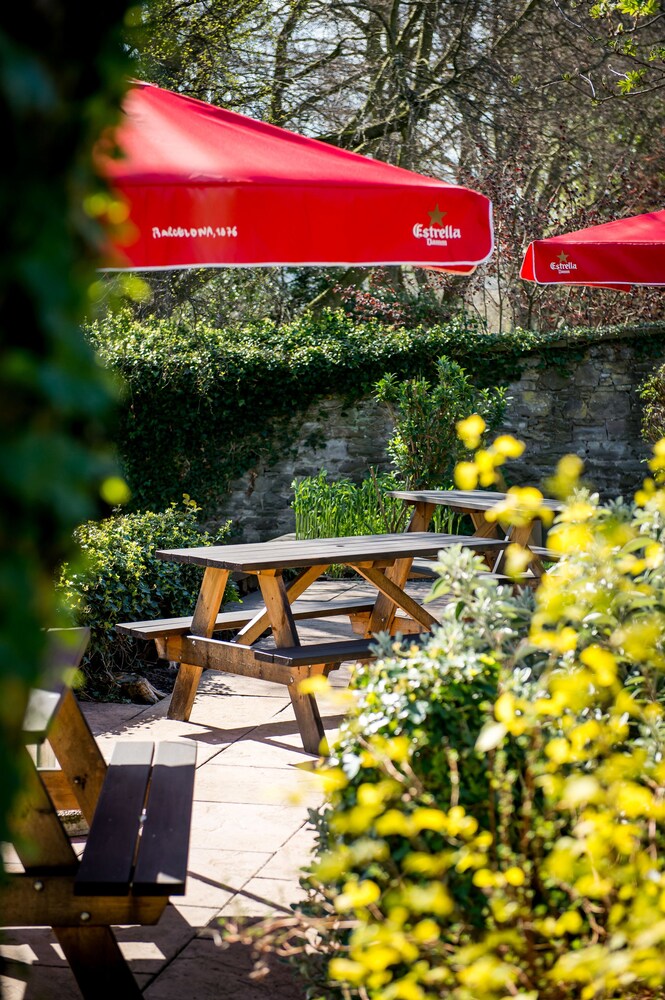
56,95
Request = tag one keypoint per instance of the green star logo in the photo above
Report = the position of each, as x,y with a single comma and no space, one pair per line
563,257
437,216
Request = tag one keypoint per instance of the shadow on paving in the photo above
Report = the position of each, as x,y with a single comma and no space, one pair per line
225,973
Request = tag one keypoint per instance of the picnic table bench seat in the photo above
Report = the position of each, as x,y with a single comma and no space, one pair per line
231,620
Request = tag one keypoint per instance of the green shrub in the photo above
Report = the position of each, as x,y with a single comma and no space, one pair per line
57,98
652,393
339,508
424,447
205,405
117,579
326,509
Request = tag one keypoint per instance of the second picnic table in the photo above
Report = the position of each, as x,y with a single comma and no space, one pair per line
476,503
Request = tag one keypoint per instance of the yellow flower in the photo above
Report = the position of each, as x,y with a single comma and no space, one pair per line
378,956
486,975
639,640
569,922
393,822
558,750
484,878
602,662
504,709
332,866
594,886
376,793
431,898
406,989
562,641
357,895
570,538
429,819
578,510
426,931
333,779
514,876
634,800
318,684
643,496
471,430
517,560
344,970
508,446
566,478
466,475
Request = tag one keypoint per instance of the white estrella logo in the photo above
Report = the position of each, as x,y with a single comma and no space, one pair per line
562,263
436,234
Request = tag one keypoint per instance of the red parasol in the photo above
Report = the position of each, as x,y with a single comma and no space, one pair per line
207,187
613,255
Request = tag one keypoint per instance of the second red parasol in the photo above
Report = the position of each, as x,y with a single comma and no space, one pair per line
615,254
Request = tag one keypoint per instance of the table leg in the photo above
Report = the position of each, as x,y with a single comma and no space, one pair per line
278,608
383,614
95,958
392,595
203,623
421,516
77,753
308,717
261,622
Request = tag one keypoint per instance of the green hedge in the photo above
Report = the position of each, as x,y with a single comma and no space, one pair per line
204,405
116,577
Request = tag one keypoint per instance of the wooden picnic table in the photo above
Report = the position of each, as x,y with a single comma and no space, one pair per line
383,560
138,808
476,503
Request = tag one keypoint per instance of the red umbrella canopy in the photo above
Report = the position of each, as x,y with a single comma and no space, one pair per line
207,187
613,255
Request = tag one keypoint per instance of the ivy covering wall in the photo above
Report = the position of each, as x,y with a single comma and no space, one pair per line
202,405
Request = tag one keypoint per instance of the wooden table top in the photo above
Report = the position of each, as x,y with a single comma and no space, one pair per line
463,499
293,554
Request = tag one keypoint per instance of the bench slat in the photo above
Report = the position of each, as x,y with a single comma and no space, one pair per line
161,867
322,652
237,619
108,859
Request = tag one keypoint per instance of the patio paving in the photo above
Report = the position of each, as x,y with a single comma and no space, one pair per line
250,835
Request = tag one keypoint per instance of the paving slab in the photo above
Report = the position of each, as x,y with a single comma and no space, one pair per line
205,971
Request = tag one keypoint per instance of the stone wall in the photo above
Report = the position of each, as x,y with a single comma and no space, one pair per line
344,441
593,410
589,407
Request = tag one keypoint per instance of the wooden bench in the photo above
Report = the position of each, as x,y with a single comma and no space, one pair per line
232,620
139,809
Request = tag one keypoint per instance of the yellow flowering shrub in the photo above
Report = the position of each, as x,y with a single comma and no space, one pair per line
495,826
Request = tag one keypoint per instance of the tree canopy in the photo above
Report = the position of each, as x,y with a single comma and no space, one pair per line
552,109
